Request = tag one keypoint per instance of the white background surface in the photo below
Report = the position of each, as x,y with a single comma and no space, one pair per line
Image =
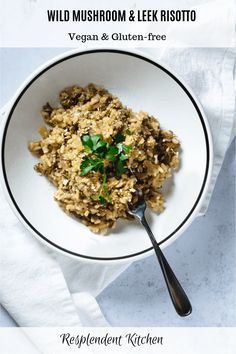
204,257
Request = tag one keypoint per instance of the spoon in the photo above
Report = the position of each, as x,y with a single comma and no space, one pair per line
179,298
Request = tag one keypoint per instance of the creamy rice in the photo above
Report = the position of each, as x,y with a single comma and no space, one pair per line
91,111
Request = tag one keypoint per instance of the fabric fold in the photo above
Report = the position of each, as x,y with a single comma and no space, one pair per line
32,286
210,74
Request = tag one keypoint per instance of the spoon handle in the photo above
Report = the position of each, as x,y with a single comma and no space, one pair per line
179,298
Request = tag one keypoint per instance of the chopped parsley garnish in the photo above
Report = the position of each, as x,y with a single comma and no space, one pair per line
98,151
112,153
94,144
119,138
91,164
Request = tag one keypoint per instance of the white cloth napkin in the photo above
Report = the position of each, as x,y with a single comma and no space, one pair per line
40,287
211,75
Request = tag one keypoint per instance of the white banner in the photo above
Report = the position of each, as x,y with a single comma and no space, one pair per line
162,340
89,23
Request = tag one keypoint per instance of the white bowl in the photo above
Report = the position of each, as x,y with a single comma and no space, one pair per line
141,84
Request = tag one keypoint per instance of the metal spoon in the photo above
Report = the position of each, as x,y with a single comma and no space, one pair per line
179,298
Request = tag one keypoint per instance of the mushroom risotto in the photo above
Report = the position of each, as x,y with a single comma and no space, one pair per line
98,153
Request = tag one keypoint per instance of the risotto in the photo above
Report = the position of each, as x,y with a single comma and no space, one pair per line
98,153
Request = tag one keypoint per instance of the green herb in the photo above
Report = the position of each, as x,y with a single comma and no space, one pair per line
99,150
128,132
94,144
105,189
119,138
124,148
89,164
112,153
120,167
99,197
102,199
123,157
